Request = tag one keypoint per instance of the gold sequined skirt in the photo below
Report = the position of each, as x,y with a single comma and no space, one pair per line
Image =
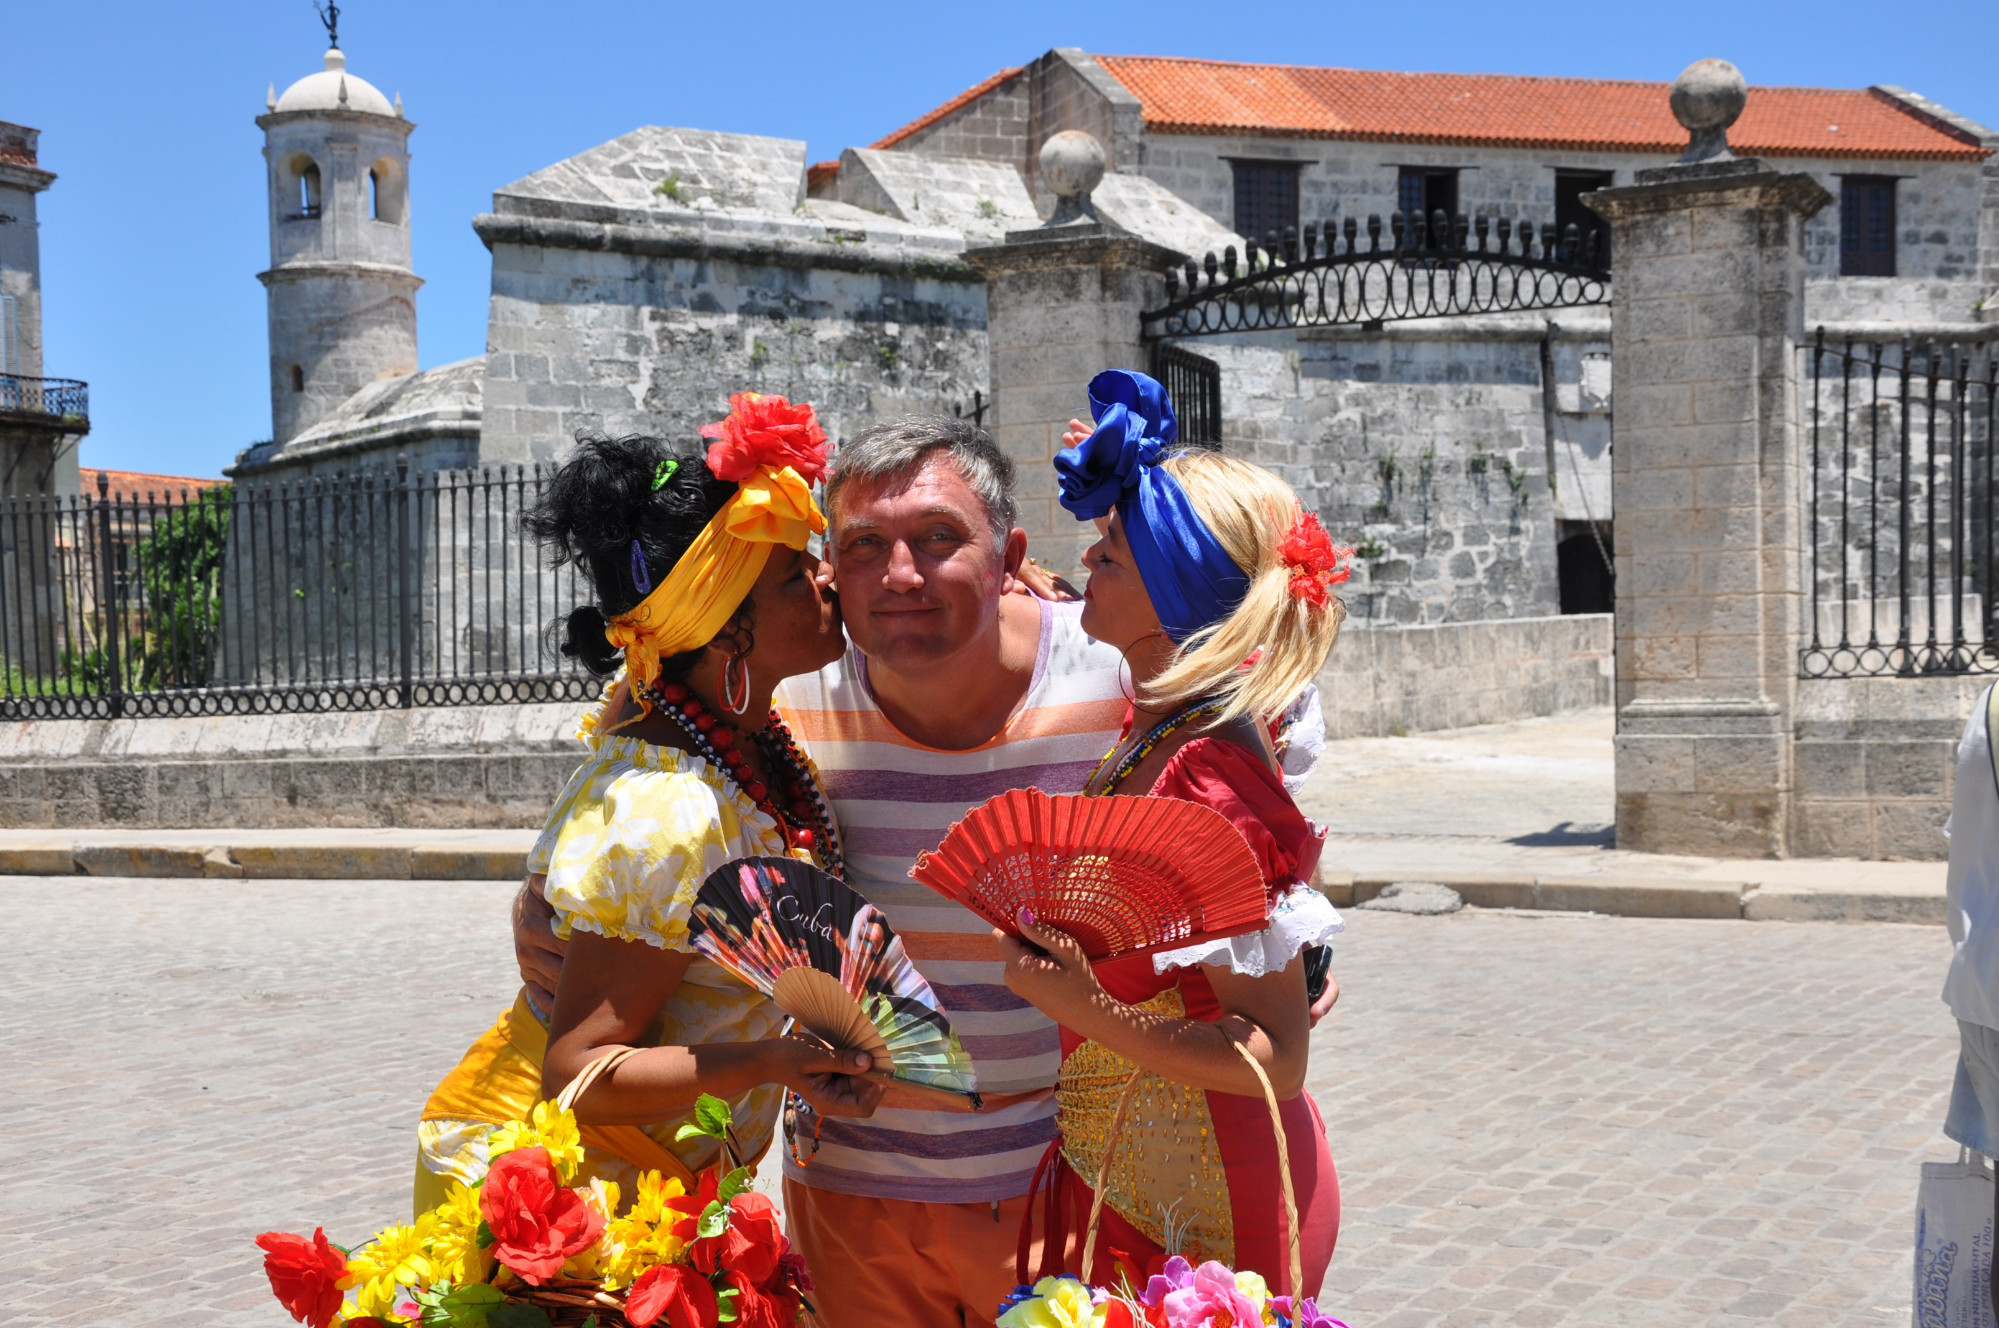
1166,1176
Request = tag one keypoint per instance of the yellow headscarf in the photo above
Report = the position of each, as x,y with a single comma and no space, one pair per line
772,505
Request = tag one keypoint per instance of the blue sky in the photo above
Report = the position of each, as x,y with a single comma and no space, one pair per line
153,234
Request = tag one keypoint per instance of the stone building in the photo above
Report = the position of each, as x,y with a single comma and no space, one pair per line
1469,457
638,283
41,419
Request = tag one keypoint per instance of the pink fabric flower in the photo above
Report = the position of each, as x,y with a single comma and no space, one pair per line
1211,1301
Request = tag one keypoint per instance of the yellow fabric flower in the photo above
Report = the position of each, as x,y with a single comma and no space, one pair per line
1059,1302
396,1257
454,1250
547,1126
644,1236
1257,1290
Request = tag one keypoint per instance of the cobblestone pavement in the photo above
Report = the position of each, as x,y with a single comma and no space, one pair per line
1538,1119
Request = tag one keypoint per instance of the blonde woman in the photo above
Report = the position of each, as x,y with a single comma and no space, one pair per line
1218,591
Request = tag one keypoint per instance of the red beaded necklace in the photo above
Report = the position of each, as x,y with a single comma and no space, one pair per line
805,819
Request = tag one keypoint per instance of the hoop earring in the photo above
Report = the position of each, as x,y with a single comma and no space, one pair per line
734,698
1124,668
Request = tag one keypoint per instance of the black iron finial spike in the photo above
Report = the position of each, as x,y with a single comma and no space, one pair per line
1440,229
329,18
1374,232
1395,230
1459,229
1211,265
1172,284
1228,261
1290,244
1479,228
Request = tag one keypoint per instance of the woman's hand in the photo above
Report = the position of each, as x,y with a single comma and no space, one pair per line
1327,1000
1038,581
1077,432
1056,977
537,949
829,1080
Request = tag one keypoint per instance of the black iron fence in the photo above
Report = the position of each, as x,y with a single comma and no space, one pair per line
1194,382
1901,508
1333,274
357,592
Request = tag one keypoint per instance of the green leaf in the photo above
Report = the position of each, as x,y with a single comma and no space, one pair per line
519,1316
590,1322
714,1220
711,1116
725,1301
484,1237
467,1306
735,1183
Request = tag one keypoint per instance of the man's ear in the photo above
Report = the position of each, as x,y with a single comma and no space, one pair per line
1014,552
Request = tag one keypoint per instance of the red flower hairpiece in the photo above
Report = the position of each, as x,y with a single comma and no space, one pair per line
766,431
1317,564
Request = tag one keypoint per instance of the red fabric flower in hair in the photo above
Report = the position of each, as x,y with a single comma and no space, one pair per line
673,1292
766,431
536,1221
1317,564
305,1274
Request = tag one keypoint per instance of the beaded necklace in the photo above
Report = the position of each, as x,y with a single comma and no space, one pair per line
1207,705
804,818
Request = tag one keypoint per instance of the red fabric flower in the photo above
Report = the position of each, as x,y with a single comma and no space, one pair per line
536,1221
1317,564
751,1244
757,1308
675,1292
766,431
305,1274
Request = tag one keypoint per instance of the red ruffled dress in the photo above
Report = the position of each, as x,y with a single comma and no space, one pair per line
1195,1172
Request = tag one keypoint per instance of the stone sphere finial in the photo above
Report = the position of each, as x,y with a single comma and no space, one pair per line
1707,98
1072,165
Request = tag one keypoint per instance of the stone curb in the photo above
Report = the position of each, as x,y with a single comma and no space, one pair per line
1622,896
1648,897
358,862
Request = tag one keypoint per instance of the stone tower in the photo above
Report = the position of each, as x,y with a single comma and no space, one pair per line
342,295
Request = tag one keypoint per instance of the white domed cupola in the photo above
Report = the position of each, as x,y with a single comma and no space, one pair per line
341,289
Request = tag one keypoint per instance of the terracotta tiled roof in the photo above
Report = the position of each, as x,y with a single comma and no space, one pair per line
1181,96
819,172
134,483
964,98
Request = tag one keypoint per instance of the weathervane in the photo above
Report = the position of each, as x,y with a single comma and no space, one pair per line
329,15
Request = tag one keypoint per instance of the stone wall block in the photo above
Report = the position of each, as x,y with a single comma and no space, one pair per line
1836,829
1909,769
1912,829
1830,771
1747,765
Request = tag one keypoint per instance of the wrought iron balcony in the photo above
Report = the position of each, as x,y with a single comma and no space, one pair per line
46,399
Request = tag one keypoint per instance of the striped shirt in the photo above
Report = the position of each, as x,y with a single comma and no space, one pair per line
894,799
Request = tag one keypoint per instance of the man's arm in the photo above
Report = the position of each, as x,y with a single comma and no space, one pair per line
537,949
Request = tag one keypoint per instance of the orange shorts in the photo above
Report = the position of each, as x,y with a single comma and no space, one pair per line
902,1263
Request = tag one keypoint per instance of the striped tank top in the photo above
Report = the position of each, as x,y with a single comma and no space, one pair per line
894,799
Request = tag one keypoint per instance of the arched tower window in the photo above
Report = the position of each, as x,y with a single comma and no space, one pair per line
302,188
298,379
385,192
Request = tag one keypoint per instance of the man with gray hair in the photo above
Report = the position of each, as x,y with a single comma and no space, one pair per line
951,691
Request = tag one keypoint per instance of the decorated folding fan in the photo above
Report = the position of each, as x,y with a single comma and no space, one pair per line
829,959
1121,875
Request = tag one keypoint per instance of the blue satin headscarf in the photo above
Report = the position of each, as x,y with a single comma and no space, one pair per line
1192,580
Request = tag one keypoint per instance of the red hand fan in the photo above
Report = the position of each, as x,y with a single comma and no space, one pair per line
1121,875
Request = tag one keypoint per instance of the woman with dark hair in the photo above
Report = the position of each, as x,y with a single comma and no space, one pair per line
705,600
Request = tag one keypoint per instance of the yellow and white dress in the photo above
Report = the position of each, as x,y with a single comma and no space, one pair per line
636,831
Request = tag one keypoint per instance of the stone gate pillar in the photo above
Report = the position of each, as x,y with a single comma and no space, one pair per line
1062,303
1706,318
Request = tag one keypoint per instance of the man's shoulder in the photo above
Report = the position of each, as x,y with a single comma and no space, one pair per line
836,686
1078,667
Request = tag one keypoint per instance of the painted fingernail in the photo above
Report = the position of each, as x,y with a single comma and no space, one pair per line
1026,916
